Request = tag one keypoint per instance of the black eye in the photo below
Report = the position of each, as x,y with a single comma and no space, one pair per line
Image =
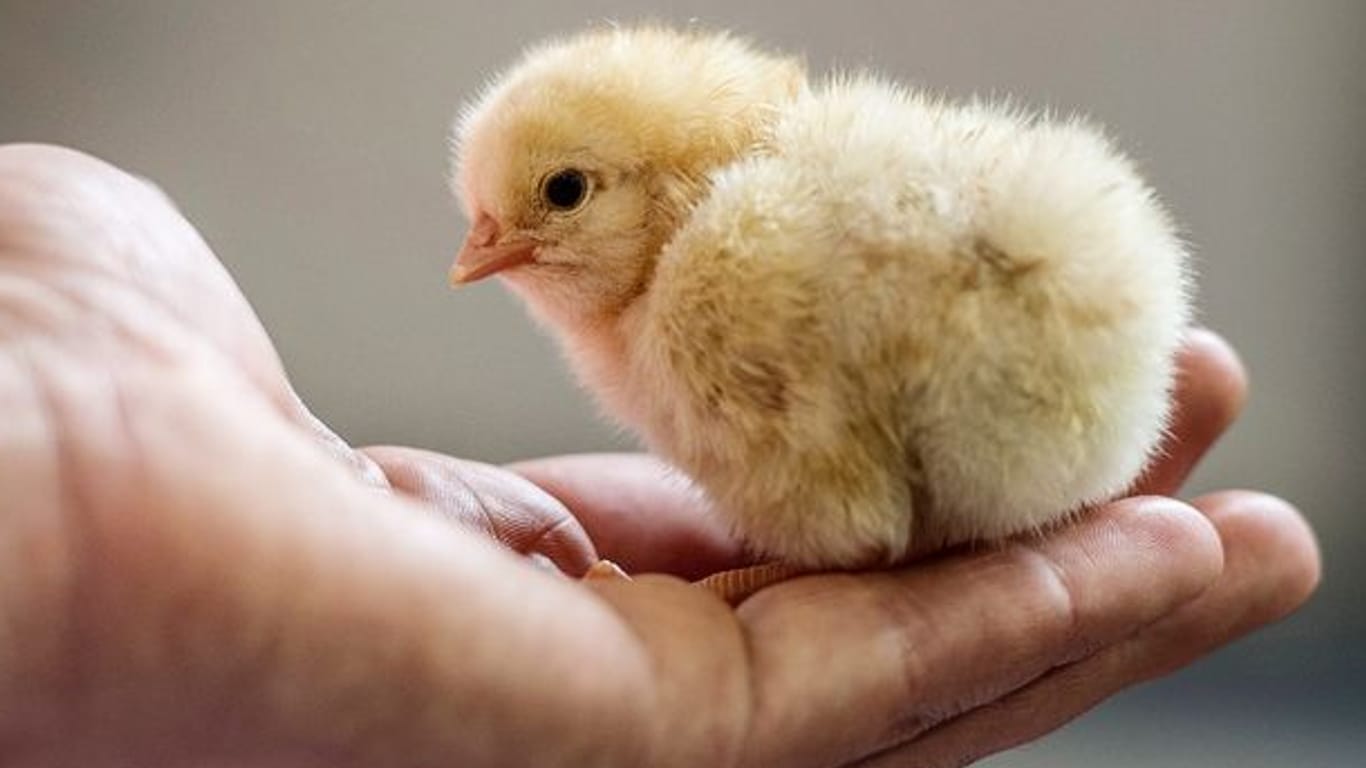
565,189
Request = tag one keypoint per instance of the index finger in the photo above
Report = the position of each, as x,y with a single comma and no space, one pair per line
844,665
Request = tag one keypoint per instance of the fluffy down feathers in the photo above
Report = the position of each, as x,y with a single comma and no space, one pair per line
861,319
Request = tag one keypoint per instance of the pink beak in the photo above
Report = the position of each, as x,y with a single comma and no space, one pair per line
486,252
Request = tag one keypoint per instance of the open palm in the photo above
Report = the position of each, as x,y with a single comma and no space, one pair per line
194,570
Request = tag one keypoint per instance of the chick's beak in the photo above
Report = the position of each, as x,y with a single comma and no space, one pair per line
487,252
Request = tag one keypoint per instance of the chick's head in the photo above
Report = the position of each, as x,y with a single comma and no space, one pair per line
576,166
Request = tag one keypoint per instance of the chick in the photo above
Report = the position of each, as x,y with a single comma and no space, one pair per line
862,319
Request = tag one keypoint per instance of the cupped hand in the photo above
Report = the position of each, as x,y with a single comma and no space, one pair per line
194,570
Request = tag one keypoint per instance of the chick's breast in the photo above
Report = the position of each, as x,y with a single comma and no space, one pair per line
910,322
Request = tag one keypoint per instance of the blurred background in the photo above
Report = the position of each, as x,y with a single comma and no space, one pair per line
307,140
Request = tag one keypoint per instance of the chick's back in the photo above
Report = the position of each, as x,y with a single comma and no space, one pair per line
905,322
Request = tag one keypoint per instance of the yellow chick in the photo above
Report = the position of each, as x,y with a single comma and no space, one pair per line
862,319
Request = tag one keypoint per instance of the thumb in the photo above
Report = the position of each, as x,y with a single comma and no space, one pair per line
490,500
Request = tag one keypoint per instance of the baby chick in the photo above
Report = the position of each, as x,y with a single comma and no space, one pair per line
860,318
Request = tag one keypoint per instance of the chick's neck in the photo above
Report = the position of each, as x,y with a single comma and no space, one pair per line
602,344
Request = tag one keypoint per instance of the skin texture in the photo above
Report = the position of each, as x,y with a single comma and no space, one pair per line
193,571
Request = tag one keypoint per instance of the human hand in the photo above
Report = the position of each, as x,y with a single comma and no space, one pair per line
194,571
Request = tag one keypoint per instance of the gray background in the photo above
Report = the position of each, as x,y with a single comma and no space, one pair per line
307,141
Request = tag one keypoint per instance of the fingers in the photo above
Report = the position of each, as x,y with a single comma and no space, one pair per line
1271,566
493,501
850,664
639,513
1211,387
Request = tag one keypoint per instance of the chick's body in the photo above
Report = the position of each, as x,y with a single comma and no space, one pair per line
884,321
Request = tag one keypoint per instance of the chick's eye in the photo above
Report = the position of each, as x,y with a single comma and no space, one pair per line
565,190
